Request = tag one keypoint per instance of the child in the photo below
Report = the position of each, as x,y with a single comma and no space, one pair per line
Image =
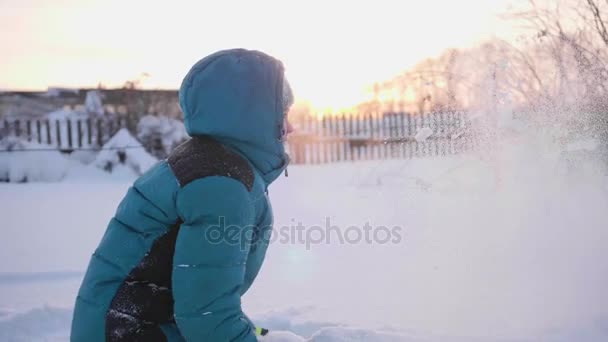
190,235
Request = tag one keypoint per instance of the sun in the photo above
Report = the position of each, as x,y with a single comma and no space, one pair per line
327,95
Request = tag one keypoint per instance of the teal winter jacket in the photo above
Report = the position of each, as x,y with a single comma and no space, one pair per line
190,236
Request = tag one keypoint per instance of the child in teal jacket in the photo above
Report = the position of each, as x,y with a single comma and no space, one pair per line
190,236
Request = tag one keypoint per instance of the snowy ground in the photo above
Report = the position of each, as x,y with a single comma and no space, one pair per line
507,248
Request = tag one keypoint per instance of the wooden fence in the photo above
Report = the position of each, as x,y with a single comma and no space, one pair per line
387,136
65,135
325,140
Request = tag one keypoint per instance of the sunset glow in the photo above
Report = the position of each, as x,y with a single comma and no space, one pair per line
333,52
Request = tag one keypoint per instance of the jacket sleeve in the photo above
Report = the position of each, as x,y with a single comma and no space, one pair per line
258,248
209,262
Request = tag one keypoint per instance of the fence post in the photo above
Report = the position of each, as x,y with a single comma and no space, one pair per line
417,122
69,128
425,123
435,132
411,118
89,131
326,140
79,128
401,126
364,136
385,139
307,146
444,134
38,132
401,133
402,140
351,136
17,128
99,133
314,146
332,134
388,133
48,131
28,126
335,135
457,125
58,133
370,120
394,135
422,144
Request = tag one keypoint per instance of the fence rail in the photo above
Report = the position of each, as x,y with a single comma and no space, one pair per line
325,140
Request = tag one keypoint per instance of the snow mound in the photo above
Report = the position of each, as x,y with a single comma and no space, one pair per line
123,154
21,166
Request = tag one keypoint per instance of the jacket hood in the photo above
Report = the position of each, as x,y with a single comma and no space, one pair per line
239,97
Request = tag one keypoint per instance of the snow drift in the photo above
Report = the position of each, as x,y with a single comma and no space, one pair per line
24,161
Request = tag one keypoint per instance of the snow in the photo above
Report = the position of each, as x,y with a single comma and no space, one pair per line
124,155
41,164
85,157
423,134
585,144
281,336
477,259
30,166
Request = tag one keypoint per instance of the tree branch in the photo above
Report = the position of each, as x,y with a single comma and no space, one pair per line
599,21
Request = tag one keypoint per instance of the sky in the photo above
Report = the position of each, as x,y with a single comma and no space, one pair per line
333,50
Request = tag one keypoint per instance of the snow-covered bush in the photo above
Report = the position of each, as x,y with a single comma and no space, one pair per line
19,166
124,154
93,103
160,134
